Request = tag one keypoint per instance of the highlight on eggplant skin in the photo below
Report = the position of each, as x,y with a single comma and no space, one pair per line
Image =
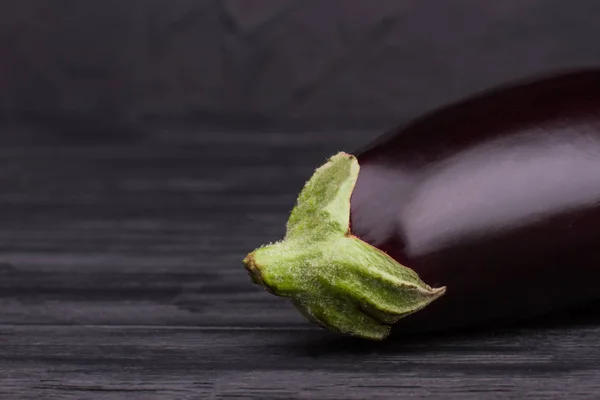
484,210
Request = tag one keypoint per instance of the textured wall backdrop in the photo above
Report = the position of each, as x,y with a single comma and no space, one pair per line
274,63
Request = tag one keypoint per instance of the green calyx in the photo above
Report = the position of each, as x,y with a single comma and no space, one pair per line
335,279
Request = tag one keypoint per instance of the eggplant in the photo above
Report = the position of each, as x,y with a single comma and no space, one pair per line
484,210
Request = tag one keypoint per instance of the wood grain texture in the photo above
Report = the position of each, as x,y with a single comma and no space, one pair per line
121,278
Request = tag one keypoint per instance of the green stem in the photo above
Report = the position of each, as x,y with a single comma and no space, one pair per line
335,279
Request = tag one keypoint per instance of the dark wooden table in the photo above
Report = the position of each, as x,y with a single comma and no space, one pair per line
121,278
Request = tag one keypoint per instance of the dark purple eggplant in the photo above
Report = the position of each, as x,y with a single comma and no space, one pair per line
484,210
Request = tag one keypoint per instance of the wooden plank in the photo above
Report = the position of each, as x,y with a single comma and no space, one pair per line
180,363
120,277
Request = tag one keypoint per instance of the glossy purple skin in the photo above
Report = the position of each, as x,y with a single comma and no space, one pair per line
497,198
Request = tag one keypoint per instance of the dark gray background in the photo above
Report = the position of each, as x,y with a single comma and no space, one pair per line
277,64
147,146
